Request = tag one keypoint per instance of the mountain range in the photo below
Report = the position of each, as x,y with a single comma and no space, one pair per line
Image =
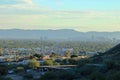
61,34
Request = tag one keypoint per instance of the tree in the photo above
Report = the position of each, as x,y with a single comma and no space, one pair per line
34,64
37,55
74,56
42,56
48,62
73,61
7,59
58,61
53,55
3,69
67,54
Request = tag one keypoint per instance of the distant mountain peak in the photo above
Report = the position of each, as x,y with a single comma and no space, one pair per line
59,34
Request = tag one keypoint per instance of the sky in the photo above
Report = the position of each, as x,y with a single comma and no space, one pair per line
80,15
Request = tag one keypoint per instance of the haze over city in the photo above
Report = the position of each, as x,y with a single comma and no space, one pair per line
80,15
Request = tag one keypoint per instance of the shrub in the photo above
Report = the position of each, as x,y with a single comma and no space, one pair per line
58,75
82,62
86,70
3,69
5,78
28,76
49,76
113,75
48,62
97,76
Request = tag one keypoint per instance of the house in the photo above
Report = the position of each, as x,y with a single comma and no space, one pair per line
67,49
92,53
46,57
2,59
80,56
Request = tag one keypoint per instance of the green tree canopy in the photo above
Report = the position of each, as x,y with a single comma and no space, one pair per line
53,55
34,64
48,62
67,54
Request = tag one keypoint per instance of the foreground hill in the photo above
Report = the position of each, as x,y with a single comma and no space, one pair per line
112,54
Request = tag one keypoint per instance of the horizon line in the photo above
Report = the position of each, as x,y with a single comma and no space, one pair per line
56,29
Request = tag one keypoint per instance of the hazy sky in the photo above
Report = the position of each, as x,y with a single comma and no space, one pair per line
81,15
